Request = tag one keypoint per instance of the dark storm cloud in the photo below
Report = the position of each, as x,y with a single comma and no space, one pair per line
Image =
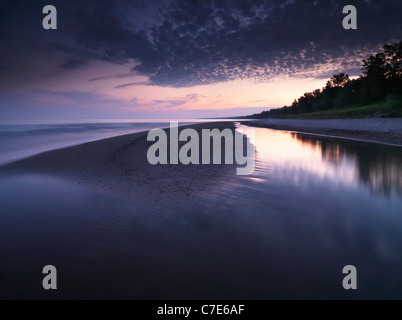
73,64
138,83
115,76
186,43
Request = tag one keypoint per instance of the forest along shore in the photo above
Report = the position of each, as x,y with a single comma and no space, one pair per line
380,130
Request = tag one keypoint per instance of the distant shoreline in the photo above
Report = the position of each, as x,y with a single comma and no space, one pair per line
376,130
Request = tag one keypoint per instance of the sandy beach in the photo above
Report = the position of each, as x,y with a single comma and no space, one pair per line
178,150
118,166
102,207
383,130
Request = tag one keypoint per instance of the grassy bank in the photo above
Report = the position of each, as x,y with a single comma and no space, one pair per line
390,107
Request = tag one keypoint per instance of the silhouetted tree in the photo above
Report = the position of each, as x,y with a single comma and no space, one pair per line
337,80
382,76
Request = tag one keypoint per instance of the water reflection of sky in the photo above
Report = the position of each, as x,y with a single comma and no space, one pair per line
317,204
301,160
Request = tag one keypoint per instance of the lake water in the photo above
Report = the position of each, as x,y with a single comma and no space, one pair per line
312,206
18,141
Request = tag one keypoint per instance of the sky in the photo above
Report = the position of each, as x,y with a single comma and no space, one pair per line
114,59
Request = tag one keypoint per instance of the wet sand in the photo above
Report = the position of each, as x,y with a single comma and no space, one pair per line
116,227
118,166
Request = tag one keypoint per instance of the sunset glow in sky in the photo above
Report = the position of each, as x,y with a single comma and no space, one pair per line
178,59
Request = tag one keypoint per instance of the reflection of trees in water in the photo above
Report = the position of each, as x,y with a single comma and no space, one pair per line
378,166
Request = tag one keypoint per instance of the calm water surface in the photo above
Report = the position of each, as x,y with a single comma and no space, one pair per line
312,206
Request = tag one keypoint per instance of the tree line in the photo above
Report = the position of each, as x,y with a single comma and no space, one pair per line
382,77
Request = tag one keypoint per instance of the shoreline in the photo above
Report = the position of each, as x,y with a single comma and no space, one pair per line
116,227
118,167
372,130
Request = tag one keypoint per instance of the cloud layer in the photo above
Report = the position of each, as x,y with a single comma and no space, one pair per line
186,43
163,58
